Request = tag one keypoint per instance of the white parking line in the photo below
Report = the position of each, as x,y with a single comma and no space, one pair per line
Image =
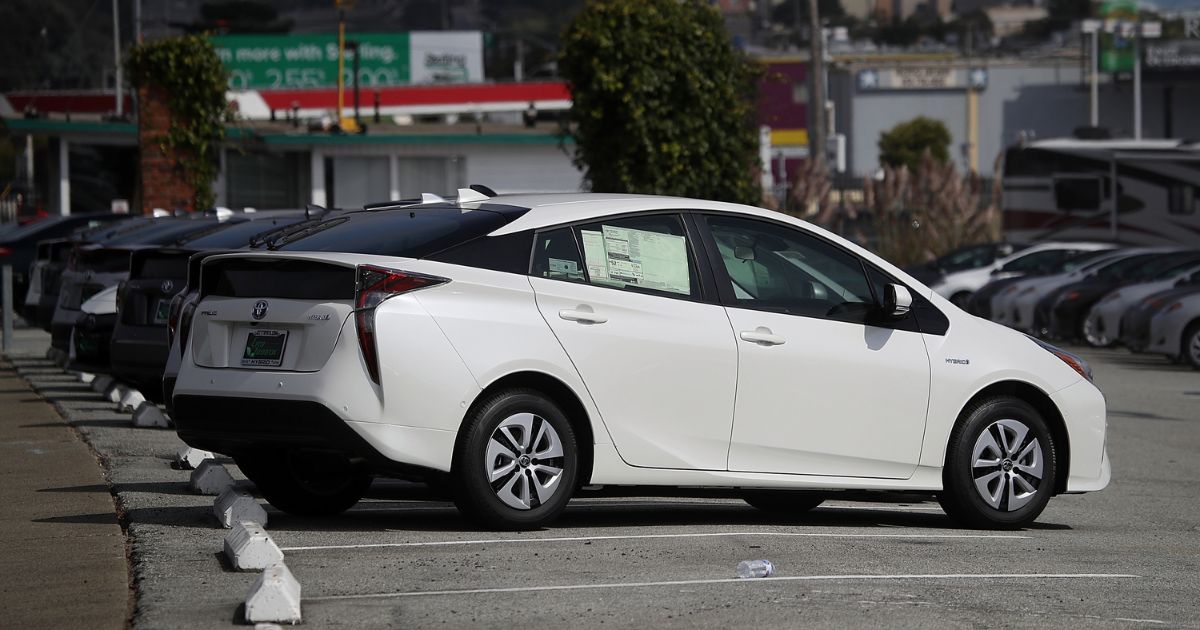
796,578
493,541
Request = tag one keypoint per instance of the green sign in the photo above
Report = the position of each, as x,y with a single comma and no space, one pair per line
309,61
1116,49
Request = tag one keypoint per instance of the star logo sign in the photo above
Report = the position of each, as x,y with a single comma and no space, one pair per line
978,78
868,80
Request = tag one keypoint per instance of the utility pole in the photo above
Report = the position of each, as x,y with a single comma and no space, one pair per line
137,21
117,55
1137,80
1092,28
816,77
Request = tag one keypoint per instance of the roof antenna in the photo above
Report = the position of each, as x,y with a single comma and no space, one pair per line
467,195
480,188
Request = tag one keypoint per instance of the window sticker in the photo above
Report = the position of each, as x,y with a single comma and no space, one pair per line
561,268
627,257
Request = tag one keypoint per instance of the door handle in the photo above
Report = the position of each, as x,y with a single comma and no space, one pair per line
763,336
582,314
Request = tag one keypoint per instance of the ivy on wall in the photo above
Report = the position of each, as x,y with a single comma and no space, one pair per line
188,72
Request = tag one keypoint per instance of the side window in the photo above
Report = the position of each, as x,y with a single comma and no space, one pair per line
649,253
556,256
773,267
1038,261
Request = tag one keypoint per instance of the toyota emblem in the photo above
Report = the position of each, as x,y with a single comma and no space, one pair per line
260,309
167,285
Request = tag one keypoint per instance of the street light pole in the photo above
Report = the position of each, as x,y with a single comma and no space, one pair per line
1092,27
816,101
117,54
1137,80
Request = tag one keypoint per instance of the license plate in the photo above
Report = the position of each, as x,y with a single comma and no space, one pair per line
264,348
162,312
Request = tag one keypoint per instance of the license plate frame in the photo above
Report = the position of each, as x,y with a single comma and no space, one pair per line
264,348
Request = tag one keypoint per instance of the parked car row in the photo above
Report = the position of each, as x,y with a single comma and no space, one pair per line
515,348
102,291
1142,298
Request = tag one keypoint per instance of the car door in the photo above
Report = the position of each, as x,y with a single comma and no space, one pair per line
625,300
826,385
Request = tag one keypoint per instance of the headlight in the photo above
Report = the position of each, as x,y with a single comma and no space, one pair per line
1075,361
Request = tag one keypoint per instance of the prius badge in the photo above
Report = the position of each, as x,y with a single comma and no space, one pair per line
260,309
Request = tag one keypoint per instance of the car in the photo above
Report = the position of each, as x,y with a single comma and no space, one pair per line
53,255
1135,322
183,304
1069,305
1102,327
1017,307
962,259
93,268
18,247
139,335
518,347
1175,330
1036,259
981,301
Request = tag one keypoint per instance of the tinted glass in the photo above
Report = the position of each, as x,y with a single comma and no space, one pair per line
413,233
1038,261
783,269
644,253
1124,267
163,232
238,234
967,258
556,256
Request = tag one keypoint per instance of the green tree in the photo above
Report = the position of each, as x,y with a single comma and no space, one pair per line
661,102
904,144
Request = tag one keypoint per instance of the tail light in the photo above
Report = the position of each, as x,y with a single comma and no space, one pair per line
1071,295
185,325
120,296
173,315
374,285
5,251
1174,307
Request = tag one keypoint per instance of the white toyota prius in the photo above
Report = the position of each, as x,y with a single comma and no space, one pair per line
522,346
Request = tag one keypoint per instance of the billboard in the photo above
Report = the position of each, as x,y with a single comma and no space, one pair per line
265,62
1116,48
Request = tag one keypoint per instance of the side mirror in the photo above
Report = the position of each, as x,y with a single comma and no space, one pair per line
896,300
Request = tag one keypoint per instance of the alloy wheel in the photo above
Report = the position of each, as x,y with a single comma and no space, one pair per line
524,461
1007,465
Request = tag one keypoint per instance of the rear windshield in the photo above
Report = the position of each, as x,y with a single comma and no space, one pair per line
163,232
238,234
411,232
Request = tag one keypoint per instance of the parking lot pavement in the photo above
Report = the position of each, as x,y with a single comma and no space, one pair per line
1124,557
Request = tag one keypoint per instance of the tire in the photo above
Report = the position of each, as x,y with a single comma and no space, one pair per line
1007,492
1189,347
517,461
784,502
306,483
960,299
1094,337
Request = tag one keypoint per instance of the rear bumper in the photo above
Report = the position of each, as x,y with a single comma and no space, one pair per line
237,426
139,356
91,340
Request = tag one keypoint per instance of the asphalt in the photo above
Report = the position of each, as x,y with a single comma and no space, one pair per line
1127,557
64,551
